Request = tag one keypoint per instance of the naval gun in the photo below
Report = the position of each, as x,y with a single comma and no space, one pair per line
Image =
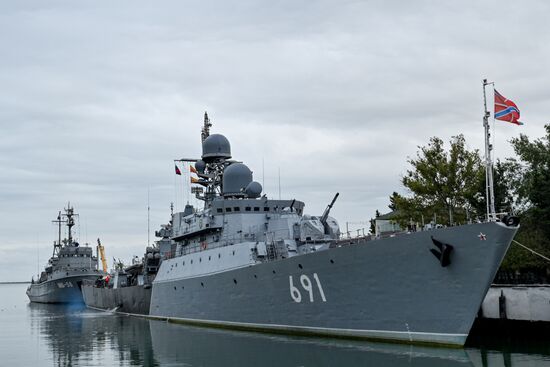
324,217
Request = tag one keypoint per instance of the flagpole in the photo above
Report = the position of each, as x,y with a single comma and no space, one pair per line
489,184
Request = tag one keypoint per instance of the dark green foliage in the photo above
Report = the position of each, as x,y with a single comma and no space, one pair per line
529,174
444,184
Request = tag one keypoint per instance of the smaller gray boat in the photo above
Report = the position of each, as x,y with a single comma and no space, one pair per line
70,264
127,289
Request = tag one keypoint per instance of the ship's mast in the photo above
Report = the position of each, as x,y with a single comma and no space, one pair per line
205,133
57,245
69,213
489,184
211,179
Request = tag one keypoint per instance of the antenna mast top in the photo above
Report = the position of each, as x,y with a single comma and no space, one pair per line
205,133
69,213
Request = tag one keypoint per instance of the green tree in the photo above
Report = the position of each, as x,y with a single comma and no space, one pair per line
444,184
532,178
504,177
372,221
529,176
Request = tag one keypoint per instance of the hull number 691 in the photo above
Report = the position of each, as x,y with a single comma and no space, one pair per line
307,285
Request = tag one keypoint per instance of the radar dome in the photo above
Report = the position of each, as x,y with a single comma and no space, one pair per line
214,147
253,189
236,178
200,166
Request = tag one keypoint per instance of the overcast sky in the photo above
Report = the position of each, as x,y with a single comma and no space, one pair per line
97,99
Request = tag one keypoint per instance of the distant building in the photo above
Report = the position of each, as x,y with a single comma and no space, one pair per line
385,224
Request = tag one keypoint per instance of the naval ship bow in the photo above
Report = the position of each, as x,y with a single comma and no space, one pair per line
246,261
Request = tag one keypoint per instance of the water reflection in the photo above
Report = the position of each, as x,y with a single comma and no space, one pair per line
75,336
211,347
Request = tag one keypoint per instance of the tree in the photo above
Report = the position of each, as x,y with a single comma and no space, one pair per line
532,178
394,199
529,176
372,221
443,184
504,177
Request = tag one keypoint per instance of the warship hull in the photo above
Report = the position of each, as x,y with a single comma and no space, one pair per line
386,289
62,290
133,299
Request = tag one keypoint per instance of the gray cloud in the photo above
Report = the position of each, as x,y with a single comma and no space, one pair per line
97,99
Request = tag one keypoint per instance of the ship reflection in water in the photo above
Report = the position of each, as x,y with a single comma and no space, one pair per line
80,337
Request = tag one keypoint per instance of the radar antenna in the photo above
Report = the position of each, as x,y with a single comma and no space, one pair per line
205,133
69,214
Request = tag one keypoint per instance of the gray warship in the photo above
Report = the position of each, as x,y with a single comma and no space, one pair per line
245,261
69,266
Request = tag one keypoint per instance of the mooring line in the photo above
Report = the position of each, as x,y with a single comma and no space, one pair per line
532,251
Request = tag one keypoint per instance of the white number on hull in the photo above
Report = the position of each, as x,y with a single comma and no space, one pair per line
305,281
294,292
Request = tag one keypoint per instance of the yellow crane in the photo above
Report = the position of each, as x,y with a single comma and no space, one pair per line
101,251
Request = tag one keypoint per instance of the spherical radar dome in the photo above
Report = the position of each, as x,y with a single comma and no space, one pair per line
236,178
214,147
253,189
200,166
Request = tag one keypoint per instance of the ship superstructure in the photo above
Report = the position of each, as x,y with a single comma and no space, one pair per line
69,265
246,261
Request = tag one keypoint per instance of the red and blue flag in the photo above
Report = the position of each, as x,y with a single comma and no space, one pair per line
506,110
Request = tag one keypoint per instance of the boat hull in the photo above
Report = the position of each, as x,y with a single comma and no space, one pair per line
133,299
389,289
62,290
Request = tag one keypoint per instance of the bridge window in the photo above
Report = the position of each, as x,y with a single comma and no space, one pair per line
256,209
266,209
248,208
227,209
219,210
237,209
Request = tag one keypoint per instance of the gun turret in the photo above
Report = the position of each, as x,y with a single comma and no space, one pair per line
327,210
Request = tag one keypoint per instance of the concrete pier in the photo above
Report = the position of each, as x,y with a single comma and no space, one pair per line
517,302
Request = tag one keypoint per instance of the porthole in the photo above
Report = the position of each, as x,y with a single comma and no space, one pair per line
202,284
183,263
209,258
182,287
191,261
235,281
175,288
233,252
331,261
273,271
255,276
219,256
200,259
300,266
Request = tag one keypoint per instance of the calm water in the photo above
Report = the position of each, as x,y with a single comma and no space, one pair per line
51,335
